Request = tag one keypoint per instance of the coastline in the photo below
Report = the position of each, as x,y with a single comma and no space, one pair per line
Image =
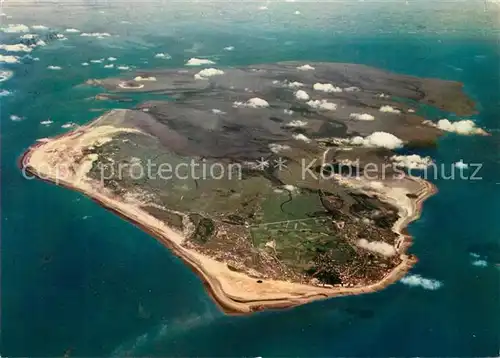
235,293
79,280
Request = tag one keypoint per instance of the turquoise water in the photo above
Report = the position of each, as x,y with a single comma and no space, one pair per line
75,278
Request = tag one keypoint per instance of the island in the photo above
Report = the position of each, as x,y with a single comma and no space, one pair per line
278,184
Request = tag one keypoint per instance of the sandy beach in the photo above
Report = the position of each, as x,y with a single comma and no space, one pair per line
234,292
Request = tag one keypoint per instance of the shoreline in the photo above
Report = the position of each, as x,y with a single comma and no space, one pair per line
232,291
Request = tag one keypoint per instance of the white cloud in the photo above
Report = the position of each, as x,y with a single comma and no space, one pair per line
277,148
208,72
355,141
384,139
322,104
16,48
163,55
101,60
302,95
112,59
461,165
127,85
56,68
288,111
123,68
199,62
326,87
15,118
108,66
229,48
305,68
378,247
362,116
411,110
419,281
252,103
40,43
296,124
297,12
74,31
377,185
100,35
85,63
142,79
262,7
28,36
15,28
39,27
413,161
290,188
465,126
301,137
480,263
9,59
378,139
5,75
217,111
352,89
294,84
389,109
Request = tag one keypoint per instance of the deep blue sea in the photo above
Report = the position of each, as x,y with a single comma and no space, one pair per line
77,279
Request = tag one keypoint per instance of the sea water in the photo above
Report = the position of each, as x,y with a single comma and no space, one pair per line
76,279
